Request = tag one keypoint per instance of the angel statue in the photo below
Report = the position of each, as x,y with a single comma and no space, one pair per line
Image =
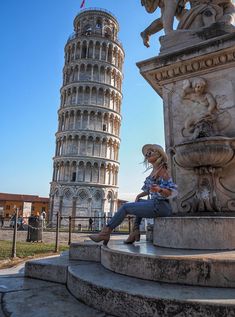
169,9
203,13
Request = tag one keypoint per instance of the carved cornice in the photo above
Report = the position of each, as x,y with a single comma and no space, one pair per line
88,133
88,108
159,74
86,159
92,62
91,84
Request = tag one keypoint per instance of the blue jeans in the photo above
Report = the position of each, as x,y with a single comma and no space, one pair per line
142,209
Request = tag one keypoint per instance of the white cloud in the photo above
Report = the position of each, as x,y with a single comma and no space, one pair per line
127,196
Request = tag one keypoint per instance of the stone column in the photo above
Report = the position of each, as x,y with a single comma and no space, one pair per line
51,208
74,211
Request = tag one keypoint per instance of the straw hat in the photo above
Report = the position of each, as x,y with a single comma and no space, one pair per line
155,147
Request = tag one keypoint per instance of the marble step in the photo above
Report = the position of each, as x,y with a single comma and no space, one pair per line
52,269
21,296
85,251
126,296
145,261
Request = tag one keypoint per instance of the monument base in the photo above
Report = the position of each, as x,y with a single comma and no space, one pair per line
195,232
188,39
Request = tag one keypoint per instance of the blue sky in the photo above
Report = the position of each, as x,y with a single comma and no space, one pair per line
33,36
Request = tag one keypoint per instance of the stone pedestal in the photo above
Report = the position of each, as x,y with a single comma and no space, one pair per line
206,185
195,76
200,233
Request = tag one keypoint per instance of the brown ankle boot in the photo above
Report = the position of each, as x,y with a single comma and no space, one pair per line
133,236
104,235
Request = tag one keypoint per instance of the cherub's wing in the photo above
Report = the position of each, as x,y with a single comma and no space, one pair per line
220,100
223,120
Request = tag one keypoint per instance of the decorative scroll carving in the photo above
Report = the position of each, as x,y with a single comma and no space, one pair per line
206,157
203,197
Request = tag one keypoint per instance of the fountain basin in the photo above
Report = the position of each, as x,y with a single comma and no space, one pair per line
213,151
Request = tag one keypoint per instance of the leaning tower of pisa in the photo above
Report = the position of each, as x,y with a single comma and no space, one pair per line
85,169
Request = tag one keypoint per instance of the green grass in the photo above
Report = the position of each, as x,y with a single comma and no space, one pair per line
25,249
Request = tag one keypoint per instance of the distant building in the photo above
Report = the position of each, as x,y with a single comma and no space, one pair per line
85,171
25,203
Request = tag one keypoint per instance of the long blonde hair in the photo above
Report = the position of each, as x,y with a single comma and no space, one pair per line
148,166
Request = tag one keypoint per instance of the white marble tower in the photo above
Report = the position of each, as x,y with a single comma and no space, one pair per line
85,171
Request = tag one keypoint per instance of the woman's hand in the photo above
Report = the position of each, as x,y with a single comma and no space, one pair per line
155,188
143,194
163,191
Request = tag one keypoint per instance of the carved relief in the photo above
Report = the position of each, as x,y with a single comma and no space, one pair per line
203,111
205,118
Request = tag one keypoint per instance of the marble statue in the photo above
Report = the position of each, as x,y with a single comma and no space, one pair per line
169,9
203,13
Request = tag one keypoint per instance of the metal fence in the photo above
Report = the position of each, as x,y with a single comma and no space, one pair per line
35,226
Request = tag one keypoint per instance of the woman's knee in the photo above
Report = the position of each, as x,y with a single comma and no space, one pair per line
123,208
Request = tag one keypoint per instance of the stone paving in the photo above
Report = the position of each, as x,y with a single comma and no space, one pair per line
26,297
20,296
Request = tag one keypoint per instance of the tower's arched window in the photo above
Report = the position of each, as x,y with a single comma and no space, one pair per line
108,33
98,24
87,30
82,195
84,50
97,195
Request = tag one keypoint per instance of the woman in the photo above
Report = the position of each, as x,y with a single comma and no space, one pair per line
158,186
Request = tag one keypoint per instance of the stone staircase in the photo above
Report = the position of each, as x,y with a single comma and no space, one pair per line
144,280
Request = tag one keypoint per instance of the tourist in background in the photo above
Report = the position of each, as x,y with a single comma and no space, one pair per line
90,224
2,221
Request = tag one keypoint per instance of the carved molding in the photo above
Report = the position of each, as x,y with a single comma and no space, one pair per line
195,65
182,69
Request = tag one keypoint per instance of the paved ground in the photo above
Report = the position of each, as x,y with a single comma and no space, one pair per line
20,296
26,297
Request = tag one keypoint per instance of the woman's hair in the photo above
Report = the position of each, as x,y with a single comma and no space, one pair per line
148,166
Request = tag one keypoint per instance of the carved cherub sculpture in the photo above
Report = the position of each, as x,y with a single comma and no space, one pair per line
169,9
204,111
203,13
